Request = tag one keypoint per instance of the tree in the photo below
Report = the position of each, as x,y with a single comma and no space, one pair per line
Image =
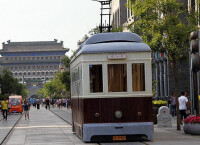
94,31
64,77
165,26
66,61
54,88
11,85
40,93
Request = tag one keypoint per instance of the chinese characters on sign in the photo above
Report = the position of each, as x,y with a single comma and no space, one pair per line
117,56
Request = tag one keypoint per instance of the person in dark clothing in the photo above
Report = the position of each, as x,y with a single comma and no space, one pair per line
26,109
68,103
173,105
38,103
47,101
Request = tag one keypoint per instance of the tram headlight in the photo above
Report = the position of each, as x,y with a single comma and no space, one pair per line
118,114
96,114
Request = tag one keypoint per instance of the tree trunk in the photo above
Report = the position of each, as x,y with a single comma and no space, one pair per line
176,79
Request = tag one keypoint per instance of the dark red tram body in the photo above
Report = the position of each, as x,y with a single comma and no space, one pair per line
111,89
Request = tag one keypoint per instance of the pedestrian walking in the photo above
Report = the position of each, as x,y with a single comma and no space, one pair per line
188,109
4,106
38,103
173,105
61,102
9,106
26,109
58,103
32,101
64,102
68,103
183,102
47,101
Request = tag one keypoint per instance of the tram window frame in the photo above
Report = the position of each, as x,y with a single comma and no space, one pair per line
120,88
76,79
141,84
99,80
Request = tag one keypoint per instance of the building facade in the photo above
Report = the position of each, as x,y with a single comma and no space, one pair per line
33,63
162,73
119,13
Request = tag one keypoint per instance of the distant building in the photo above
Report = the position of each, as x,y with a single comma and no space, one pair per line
32,63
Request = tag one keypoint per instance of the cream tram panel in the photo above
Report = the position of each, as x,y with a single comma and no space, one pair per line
94,59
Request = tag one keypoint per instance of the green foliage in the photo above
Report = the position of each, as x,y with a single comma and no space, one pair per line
11,85
64,77
160,102
40,93
66,61
120,29
165,26
94,31
54,88
154,84
58,86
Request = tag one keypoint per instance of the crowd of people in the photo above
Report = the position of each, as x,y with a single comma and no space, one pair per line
63,102
35,102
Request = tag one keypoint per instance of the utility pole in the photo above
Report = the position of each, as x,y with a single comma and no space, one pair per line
105,7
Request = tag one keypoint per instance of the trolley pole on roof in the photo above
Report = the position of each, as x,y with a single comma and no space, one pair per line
105,6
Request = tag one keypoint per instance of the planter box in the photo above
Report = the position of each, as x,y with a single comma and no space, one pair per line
186,128
195,129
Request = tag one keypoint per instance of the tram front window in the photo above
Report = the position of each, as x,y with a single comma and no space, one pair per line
96,79
138,77
117,78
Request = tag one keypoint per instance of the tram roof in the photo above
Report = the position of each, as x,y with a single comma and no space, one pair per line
113,37
120,42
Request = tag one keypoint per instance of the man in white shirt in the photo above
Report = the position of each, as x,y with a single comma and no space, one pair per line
183,101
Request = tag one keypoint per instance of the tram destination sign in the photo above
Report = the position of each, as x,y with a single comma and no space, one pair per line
117,56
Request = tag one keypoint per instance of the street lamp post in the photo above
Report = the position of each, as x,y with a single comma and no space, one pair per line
105,5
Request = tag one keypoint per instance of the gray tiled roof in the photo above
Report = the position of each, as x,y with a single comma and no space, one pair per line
33,46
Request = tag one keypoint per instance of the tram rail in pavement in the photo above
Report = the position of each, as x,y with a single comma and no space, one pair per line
164,136
63,113
6,126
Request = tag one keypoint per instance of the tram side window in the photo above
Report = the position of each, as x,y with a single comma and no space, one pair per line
96,79
138,77
117,77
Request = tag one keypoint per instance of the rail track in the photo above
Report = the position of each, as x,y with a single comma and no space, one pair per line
10,131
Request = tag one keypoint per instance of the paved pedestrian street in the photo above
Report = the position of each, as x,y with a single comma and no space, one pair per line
1,117
64,113
7,125
51,128
43,128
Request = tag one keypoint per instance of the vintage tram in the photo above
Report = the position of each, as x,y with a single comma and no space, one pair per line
111,88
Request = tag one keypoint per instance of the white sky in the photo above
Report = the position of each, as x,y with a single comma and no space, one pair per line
44,20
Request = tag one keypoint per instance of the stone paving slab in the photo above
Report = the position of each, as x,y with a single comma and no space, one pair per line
7,125
64,113
43,128
123,143
1,116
